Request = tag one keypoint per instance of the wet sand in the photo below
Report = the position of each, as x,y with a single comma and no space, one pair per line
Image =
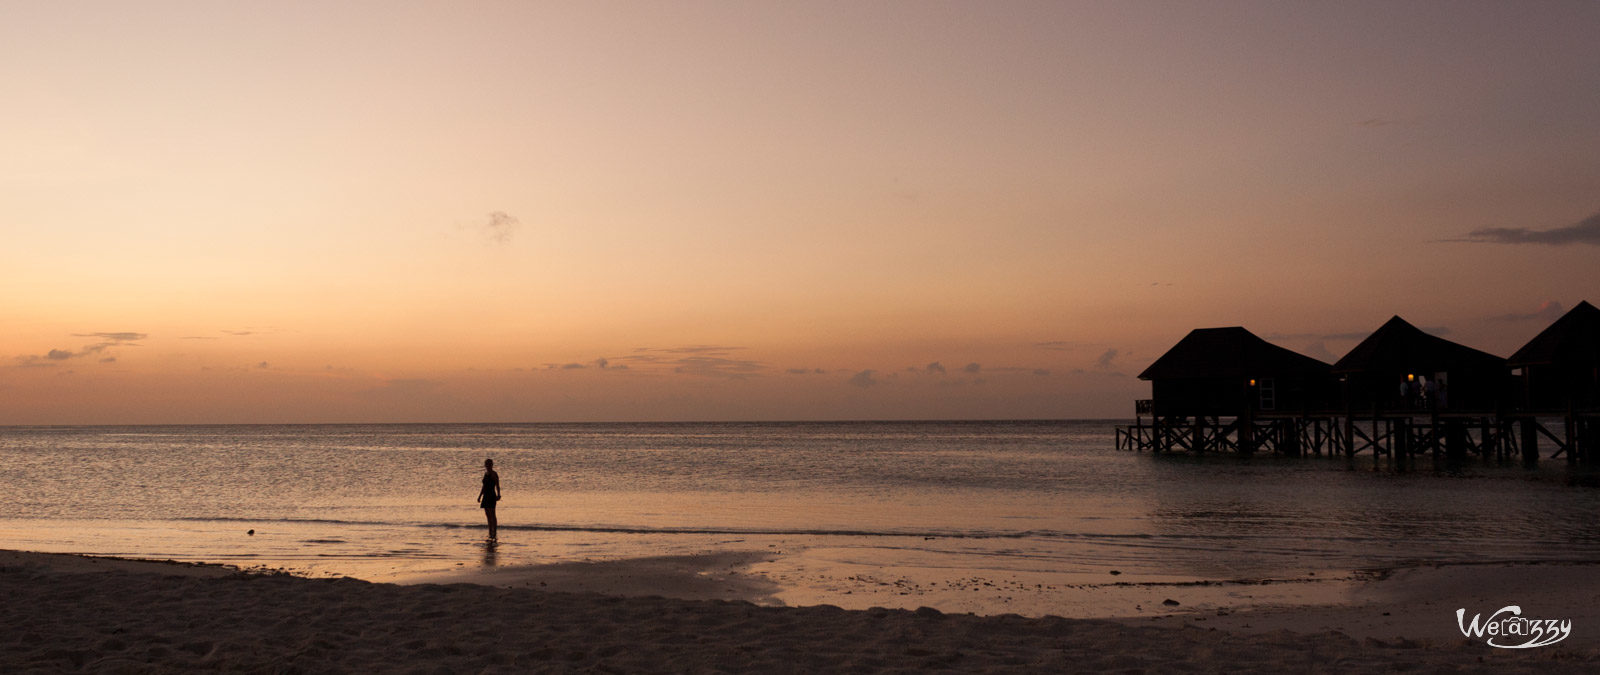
67,613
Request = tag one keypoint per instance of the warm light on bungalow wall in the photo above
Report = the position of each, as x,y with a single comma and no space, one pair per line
1252,382
1411,377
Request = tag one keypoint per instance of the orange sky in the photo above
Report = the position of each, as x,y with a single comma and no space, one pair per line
457,212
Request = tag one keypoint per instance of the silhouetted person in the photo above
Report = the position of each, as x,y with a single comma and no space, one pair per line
490,493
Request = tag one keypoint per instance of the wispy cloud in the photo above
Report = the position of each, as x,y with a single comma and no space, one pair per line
716,366
710,350
1318,350
935,368
107,341
972,368
500,228
230,333
700,360
862,379
115,338
806,371
1060,345
1586,231
1550,310
1316,336
1107,359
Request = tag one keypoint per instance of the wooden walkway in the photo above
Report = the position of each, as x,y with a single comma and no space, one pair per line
1401,436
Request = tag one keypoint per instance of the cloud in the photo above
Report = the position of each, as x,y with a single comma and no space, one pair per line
501,227
1319,351
109,359
972,368
702,360
862,379
1040,371
602,363
935,367
230,333
716,366
713,350
806,371
1316,336
107,341
1548,311
571,366
1586,231
1059,345
263,365
115,338
1106,360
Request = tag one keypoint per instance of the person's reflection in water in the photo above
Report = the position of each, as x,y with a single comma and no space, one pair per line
490,555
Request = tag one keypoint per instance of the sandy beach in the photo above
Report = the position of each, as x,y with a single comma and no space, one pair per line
65,613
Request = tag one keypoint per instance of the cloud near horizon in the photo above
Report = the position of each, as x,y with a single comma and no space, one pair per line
1548,311
863,379
716,366
1586,231
116,338
108,340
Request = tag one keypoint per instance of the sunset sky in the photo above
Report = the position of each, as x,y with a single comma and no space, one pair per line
553,211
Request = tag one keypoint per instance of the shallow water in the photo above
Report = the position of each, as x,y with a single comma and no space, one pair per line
1046,500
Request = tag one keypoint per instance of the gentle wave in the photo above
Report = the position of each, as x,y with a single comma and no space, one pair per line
1296,543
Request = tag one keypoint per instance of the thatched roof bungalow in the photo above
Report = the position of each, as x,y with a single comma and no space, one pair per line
1561,365
1400,367
1231,372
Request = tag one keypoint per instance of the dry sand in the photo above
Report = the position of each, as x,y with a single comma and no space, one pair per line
63,613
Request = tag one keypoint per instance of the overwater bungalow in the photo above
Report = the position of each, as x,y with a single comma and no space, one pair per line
1399,393
1226,388
1558,371
1401,368
1230,372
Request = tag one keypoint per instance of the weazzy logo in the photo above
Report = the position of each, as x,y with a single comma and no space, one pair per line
1507,628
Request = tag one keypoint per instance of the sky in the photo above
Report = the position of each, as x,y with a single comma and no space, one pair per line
597,211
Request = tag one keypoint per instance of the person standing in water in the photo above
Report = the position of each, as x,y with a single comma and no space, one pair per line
489,494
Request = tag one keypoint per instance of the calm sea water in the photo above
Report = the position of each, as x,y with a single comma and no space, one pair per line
1045,497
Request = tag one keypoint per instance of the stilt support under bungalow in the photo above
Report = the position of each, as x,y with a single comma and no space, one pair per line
1401,436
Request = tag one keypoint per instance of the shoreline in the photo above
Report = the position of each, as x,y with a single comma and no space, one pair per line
71,612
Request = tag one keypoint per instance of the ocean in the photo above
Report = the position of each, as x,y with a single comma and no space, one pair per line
1047,503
